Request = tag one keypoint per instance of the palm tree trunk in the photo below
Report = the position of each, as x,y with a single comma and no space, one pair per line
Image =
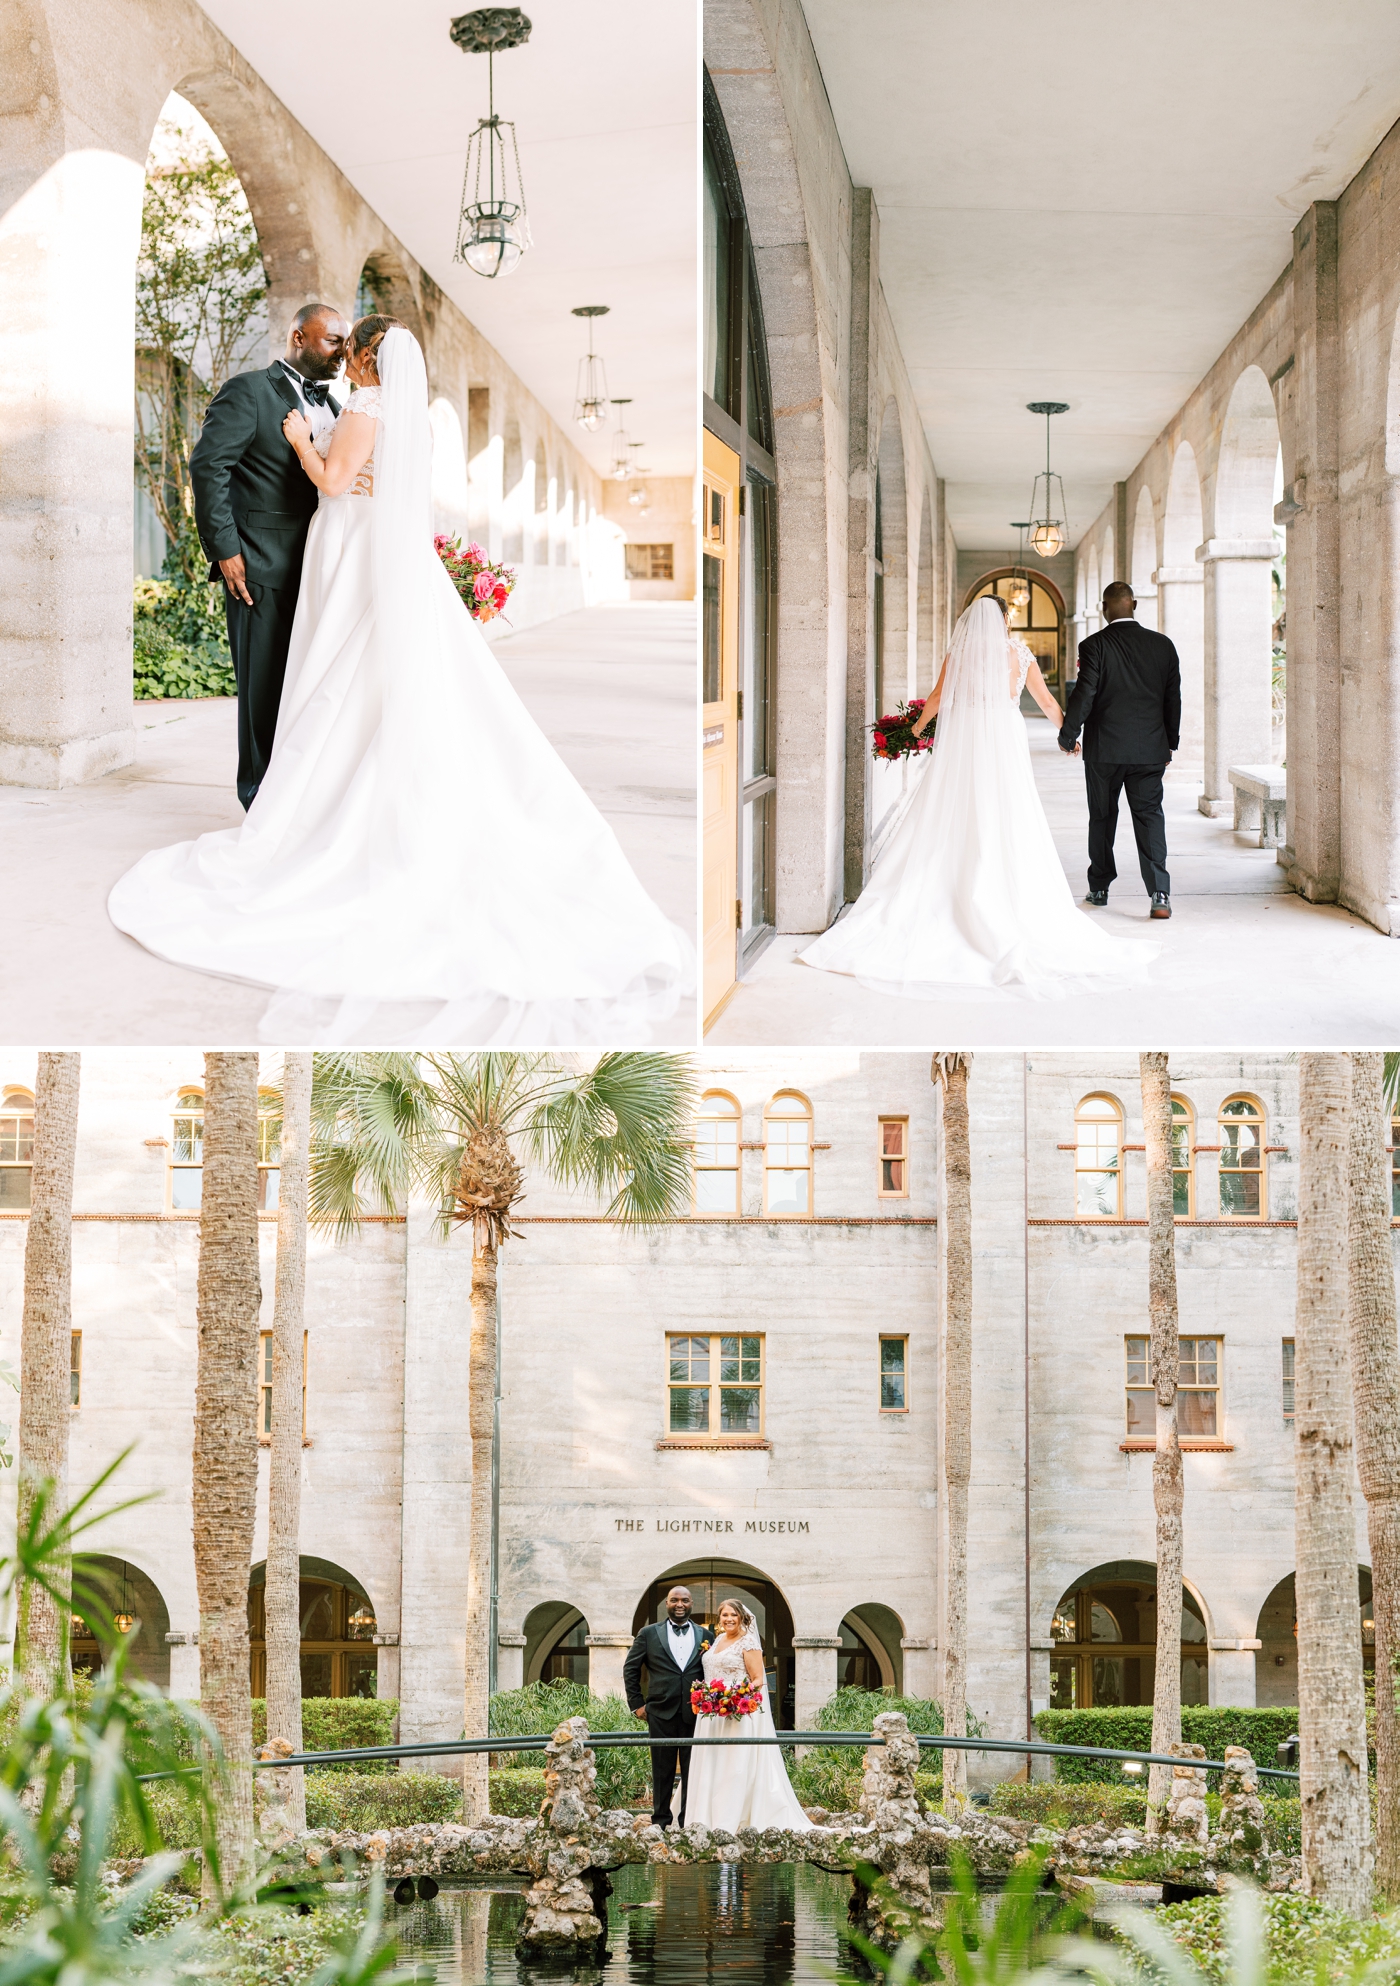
225,1469
1166,1463
283,1595
951,1072
1331,1699
1375,1367
481,1414
41,1629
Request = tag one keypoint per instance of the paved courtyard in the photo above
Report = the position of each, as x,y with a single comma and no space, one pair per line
612,687
1245,962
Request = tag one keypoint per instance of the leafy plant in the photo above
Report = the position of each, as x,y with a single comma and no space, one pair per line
830,1775
340,1724
1018,1946
1216,1726
178,642
365,1802
624,1772
517,1790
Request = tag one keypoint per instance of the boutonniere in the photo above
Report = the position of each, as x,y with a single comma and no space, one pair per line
703,1646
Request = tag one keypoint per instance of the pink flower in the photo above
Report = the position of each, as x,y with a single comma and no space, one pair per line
483,586
477,553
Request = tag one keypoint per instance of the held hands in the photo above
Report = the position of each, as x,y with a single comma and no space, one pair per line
1070,751
297,429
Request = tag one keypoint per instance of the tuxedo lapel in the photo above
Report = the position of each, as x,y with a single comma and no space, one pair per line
283,387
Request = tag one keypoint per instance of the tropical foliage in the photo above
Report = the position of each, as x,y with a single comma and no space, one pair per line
624,1771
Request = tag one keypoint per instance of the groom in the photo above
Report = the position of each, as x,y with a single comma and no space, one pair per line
253,505
1127,701
672,1651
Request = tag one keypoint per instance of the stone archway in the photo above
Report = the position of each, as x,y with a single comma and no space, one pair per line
925,646
1103,1637
339,1629
1238,558
132,1593
1276,1658
1180,598
874,791
713,1580
1142,568
383,287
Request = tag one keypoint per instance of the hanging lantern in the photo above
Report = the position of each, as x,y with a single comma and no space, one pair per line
591,398
493,231
124,1623
1047,532
362,1621
620,468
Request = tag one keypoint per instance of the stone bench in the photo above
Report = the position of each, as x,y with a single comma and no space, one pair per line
1261,803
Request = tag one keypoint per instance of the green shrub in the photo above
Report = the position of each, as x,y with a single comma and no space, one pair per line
624,1773
830,1775
175,1814
1062,1803
338,1724
363,1802
1303,1939
179,647
1261,1732
279,1948
518,1790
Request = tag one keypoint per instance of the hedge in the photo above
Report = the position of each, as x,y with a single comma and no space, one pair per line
338,1724
624,1773
1062,1803
518,1790
366,1801
1261,1732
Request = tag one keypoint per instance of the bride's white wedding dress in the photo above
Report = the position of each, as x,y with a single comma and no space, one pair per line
419,864
968,898
734,1786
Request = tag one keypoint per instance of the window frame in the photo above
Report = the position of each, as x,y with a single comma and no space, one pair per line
713,1431
1288,1395
1082,1171
18,1102
1132,1385
883,1158
789,1117
1259,1172
185,1107
266,1340
894,1338
75,1371
1188,1121
734,1116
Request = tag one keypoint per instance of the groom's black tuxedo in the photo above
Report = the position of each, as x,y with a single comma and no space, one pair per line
1127,702
251,495
669,1714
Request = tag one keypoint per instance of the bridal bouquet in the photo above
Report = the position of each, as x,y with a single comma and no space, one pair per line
894,736
484,588
717,1699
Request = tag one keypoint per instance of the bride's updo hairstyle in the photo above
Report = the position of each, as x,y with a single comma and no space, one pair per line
747,1623
368,335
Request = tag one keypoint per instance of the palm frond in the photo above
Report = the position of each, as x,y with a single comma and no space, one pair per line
1390,1081
622,1131
370,1116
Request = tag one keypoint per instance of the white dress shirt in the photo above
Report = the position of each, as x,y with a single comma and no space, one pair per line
322,418
681,1641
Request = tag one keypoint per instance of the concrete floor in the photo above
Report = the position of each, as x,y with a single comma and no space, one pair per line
1245,962
612,687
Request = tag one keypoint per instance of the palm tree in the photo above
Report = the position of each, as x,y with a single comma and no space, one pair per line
282,1597
950,1073
41,1626
1155,1077
621,1130
225,1467
1331,1698
1375,1365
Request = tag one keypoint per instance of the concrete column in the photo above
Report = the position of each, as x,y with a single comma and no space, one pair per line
1312,857
1231,1674
919,1655
66,400
860,542
1238,662
606,1655
1079,627
1180,610
184,1667
1147,606
816,1675
510,1661
1122,547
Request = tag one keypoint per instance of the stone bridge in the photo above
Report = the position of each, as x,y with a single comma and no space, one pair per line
568,1850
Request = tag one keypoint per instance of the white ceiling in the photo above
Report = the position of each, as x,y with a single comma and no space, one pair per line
1083,202
604,96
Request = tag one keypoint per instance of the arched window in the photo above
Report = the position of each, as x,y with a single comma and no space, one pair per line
1183,1179
187,1152
1395,1168
787,1155
1104,1642
338,1627
1242,1195
1098,1163
16,1150
717,1154
269,1148
1039,623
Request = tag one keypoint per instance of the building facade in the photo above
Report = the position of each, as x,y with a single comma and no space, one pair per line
746,1398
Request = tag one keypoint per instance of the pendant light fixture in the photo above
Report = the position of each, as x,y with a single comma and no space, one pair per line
1018,591
125,1621
1047,532
493,231
620,469
591,398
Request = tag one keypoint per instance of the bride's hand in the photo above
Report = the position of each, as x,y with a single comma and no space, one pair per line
297,429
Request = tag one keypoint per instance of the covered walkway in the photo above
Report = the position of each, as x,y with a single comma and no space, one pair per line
1245,960
613,688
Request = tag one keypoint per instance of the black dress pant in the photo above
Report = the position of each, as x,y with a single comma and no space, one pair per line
1143,786
258,638
680,1724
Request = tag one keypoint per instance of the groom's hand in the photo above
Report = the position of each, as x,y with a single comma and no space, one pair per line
236,577
640,1711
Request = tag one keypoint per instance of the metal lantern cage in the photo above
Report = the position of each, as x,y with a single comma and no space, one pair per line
493,231
591,397
1047,532
620,468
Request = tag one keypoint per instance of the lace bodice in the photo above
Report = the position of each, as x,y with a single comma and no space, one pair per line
363,400
728,1662
1024,659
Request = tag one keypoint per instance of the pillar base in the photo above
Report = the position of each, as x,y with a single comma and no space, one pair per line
73,763
1215,809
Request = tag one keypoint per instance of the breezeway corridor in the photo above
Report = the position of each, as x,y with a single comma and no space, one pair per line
612,687
1244,959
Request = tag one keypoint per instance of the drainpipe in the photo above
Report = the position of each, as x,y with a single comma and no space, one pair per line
495,1505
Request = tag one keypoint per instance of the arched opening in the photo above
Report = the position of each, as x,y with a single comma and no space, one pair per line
715,1154
1098,1158
1108,567
1092,608
891,568
870,1655
1239,590
541,504
925,658
1143,573
450,495
135,1601
338,1629
513,480
1040,623
384,290
1104,1640
16,1149
711,1582
1181,598
1276,1660
556,1644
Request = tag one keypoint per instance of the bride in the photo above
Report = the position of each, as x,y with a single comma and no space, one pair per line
968,897
418,864
734,1786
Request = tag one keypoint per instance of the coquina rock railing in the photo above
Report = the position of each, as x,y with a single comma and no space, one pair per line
567,1853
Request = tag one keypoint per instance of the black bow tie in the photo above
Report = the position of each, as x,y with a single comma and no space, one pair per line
315,392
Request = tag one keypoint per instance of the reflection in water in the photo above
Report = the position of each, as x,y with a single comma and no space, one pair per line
780,1925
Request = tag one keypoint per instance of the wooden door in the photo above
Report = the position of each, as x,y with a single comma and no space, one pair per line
719,759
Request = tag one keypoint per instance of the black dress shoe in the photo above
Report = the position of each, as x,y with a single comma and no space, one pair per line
1098,898
1161,905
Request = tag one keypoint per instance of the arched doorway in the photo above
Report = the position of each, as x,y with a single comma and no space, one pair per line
338,1627
711,1582
556,1644
1239,566
135,1600
870,1655
1040,623
1276,1661
1143,567
1104,1640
